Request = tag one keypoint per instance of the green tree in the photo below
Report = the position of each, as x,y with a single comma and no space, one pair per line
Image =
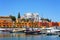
46,19
25,20
13,18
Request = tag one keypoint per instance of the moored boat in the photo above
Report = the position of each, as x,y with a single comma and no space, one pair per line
27,31
17,31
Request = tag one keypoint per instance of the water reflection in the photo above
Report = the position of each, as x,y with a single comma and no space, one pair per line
22,36
11,35
2,35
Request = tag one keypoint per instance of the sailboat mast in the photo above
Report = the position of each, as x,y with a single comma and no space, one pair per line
32,21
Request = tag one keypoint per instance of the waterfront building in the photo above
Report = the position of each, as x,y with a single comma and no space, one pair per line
7,18
27,15
5,21
58,23
48,24
36,17
27,20
33,20
32,16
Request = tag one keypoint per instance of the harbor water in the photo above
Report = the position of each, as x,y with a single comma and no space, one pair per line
22,36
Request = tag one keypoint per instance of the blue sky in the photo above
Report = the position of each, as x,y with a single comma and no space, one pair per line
46,8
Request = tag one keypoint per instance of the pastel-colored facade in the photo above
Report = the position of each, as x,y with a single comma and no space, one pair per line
7,18
5,21
25,24
58,23
48,24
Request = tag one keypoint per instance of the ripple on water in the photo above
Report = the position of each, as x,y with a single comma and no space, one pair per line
22,36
